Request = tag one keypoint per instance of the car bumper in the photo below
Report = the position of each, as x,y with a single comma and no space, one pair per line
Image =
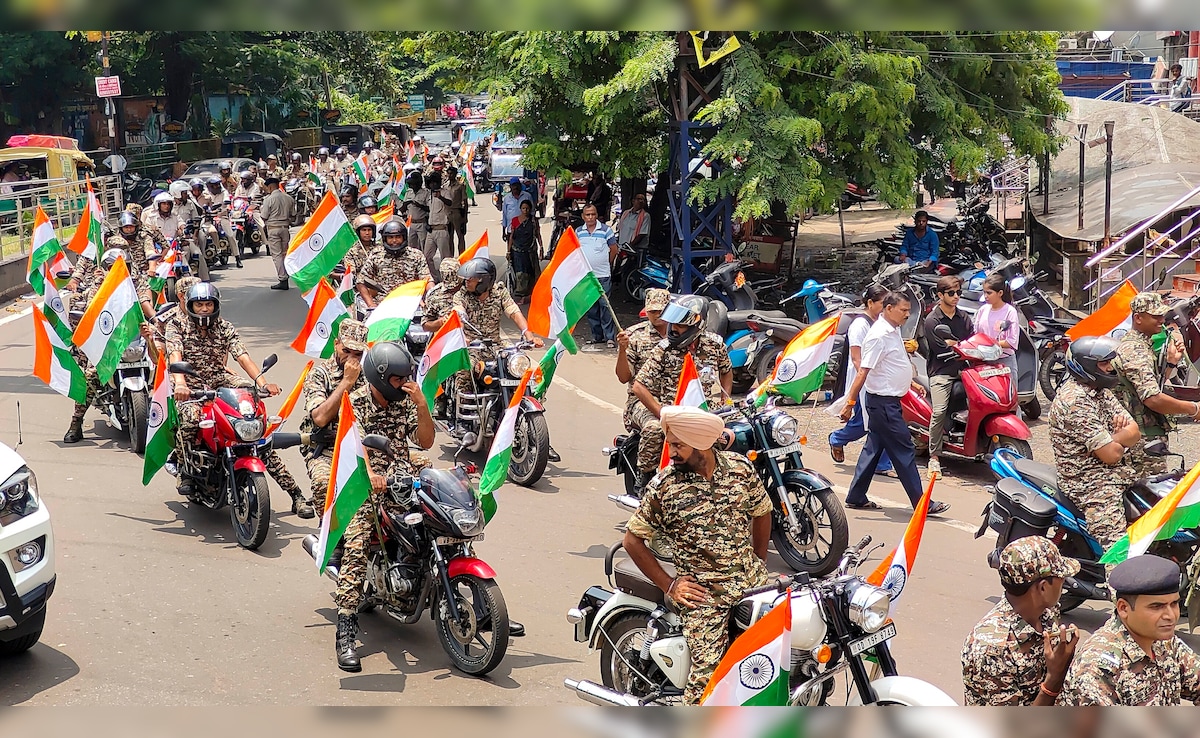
24,592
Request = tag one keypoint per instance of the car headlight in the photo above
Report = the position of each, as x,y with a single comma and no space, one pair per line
18,496
784,429
869,606
518,364
248,430
469,522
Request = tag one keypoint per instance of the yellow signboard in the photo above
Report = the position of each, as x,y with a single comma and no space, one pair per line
731,45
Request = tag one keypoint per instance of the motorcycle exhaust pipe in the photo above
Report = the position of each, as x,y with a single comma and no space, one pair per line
626,502
601,695
309,544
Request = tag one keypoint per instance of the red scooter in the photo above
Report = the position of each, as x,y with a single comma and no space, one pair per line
981,417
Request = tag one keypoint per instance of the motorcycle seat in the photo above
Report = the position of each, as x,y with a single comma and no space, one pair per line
1045,477
783,330
735,320
628,578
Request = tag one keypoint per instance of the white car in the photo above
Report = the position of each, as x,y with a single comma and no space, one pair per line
26,556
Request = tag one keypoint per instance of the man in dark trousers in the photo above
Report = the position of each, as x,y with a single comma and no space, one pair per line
887,375
944,364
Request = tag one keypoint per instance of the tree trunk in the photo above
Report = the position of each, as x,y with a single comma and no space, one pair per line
178,77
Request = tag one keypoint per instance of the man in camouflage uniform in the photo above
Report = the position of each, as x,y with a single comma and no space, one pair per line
657,382
390,404
389,265
272,169
634,345
713,510
1090,433
1018,654
439,301
1143,377
356,257
323,390
1135,659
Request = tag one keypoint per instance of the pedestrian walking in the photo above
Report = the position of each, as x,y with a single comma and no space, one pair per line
857,428
278,211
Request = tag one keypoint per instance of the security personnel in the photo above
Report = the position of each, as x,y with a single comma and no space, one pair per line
657,381
323,390
390,404
1091,434
1142,378
389,265
415,206
278,212
1135,658
634,345
1018,654
439,300
356,257
713,510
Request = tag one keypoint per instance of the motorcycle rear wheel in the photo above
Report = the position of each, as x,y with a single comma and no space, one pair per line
624,639
823,527
1052,372
250,508
484,611
137,413
530,449
634,284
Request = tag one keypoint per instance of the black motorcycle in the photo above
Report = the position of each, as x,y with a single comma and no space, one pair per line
423,560
808,525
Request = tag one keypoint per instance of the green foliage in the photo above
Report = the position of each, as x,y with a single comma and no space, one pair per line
39,71
356,109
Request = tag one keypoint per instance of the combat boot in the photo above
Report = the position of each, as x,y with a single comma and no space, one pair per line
347,632
74,434
642,479
301,507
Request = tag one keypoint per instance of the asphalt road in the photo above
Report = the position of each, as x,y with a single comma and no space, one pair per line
157,605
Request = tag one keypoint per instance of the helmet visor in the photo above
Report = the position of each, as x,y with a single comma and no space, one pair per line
676,313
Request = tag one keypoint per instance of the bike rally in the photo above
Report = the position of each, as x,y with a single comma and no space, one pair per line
627,430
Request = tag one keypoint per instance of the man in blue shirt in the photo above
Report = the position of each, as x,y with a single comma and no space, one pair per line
510,206
920,244
599,244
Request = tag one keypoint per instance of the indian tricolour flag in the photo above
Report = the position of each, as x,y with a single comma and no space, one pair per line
325,316
318,246
478,250
893,572
1114,318
111,322
360,168
163,269
544,373
384,198
349,484
468,172
445,356
53,363
160,424
689,393
495,471
564,293
754,671
89,236
391,318
1179,510
46,257
801,367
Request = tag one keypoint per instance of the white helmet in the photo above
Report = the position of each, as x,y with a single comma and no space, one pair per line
179,189
163,197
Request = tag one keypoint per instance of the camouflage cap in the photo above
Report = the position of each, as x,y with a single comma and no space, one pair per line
449,268
353,335
1027,560
184,284
657,299
1148,302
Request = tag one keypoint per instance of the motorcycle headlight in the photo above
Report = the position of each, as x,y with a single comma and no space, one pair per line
518,364
784,429
869,606
468,522
18,496
248,430
134,352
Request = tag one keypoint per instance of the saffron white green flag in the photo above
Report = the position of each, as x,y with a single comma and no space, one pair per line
754,671
390,319
89,236
325,316
163,269
801,367
689,393
320,244
160,423
445,356
544,372
564,293
349,484
500,456
111,323
53,362
1180,509
46,257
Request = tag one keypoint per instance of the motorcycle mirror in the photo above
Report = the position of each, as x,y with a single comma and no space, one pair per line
1005,325
376,442
181,367
269,362
943,332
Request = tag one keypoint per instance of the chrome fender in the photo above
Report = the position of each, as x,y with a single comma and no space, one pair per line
908,691
619,604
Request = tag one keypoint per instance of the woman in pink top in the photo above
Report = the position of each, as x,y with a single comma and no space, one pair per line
996,310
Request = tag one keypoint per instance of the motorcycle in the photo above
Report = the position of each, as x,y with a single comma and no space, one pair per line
727,283
808,524
749,336
839,625
424,560
226,468
473,417
219,241
247,235
820,302
1026,501
125,398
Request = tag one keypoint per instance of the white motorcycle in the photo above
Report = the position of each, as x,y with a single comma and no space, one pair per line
125,399
839,625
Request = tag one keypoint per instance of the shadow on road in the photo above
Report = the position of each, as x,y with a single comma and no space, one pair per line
40,668
214,526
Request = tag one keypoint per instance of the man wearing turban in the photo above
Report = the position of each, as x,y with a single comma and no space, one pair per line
712,507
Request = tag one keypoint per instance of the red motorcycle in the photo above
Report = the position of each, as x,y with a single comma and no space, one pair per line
225,467
982,413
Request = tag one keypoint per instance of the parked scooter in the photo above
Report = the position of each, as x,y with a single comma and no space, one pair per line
820,302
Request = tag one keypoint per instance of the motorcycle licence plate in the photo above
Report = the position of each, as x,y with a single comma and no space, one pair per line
885,633
509,382
775,453
997,371
448,541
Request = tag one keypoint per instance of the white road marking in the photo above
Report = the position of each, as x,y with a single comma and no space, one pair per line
605,404
17,316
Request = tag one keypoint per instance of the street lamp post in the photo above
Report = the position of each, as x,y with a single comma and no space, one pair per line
1082,156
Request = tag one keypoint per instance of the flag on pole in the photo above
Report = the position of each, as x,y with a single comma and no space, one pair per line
390,319
53,362
690,393
46,257
163,269
325,316
111,322
564,293
361,172
445,356
384,198
801,367
1114,318
160,423
411,151
544,372
893,572
88,240
478,250
320,244
55,311
467,172
754,671
289,404
383,215
345,288
349,484
1180,509
495,470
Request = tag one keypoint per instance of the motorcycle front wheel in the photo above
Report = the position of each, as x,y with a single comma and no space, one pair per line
137,413
250,508
483,613
1052,372
634,284
820,538
530,449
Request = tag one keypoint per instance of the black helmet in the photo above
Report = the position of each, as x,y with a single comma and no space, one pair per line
383,361
366,201
415,180
687,311
393,228
482,269
205,291
349,190
127,219
1085,354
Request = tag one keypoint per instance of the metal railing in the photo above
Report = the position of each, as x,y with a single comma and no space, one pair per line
1142,92
1012,181
150,159
62,200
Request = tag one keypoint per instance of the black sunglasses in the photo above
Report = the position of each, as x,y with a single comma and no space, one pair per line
951,292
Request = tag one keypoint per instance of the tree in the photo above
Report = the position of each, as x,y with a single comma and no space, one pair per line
39,72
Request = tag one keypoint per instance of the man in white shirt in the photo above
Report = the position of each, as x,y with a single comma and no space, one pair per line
887,374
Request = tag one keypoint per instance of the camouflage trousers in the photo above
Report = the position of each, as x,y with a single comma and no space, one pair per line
1103,508
319,469
353,571
93,383
651,446
706,630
